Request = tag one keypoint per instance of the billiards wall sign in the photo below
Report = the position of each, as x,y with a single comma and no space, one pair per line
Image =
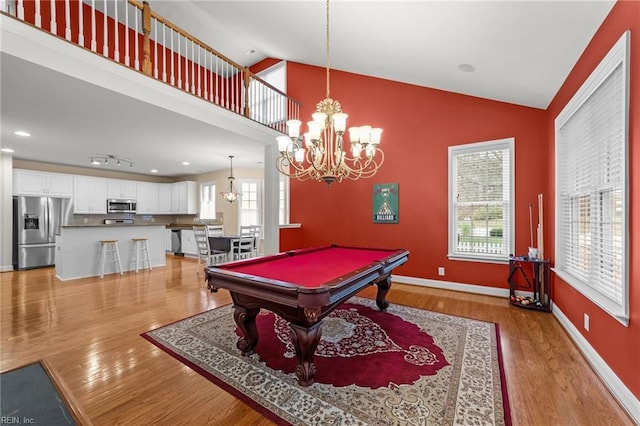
385,202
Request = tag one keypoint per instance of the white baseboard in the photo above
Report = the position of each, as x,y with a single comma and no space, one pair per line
619,391
6,268
448,285
624,396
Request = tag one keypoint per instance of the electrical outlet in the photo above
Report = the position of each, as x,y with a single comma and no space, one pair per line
441,271
85,220
586,322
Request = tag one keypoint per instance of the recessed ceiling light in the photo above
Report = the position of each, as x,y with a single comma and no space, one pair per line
466,68
153,171
185,163
250,52
7,150
22,133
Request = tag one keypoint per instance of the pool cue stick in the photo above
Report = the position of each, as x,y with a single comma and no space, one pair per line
541,268
530,227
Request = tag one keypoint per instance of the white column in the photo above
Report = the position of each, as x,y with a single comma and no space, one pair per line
271,197
6,212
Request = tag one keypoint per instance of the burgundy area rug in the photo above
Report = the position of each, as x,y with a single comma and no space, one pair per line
405,366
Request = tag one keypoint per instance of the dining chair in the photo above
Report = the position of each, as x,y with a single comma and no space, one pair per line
205,254
242,247
252,231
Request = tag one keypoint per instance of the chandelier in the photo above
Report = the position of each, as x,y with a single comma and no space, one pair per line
231,195
320,153
99,159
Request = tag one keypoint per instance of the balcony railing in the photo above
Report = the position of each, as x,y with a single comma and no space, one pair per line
131,34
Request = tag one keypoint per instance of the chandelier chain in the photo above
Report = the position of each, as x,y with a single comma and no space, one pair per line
327,47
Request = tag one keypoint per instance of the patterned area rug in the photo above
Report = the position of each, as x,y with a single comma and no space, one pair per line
405,366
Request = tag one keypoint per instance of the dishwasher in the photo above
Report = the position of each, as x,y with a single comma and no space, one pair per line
176,242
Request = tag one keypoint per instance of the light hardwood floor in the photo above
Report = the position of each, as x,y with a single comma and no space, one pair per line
88,331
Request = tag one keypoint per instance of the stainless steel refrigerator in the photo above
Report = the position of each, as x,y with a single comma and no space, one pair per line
36,221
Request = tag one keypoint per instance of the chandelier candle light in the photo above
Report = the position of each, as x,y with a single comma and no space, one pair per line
231,195
323,157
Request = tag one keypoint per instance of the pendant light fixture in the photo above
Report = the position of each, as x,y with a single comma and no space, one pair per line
321,153
231,195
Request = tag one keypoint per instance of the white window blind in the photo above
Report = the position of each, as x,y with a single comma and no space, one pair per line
591,189
208,201
481,200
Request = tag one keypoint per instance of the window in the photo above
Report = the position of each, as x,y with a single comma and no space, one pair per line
208,201
481,200
266,106
283,200
591,190
249,204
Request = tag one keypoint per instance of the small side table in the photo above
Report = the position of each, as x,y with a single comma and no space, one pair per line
535,273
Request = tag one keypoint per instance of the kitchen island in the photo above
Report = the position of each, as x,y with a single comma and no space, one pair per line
78,247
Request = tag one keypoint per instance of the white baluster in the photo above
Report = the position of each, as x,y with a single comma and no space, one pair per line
116,35
186,64
127,56
80,24
54,24
105,32
173,80
136,60
204,71
164,54
155,48
38,14
21,9
179,61
94,46
217,77
193,67
67,20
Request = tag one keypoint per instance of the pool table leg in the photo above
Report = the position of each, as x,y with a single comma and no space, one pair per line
305,340
384,285
246,321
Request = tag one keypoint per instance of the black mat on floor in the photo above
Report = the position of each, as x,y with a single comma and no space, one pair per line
29,397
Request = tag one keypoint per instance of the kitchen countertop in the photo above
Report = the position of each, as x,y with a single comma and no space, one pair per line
102,225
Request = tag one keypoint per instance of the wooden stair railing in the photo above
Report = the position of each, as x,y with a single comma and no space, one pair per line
167,53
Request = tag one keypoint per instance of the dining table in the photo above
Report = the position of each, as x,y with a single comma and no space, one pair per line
222,242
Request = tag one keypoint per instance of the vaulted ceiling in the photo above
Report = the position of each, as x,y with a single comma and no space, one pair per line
520,52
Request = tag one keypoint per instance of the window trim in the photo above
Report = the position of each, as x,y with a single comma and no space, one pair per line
618,55
506,143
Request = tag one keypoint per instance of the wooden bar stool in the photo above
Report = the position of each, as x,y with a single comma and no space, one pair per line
109,254
140,254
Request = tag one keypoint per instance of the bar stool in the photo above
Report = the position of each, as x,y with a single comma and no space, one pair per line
109,254
140,254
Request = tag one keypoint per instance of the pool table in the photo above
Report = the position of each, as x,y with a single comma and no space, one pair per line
302,286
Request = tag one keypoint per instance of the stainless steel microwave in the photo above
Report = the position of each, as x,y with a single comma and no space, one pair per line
121,206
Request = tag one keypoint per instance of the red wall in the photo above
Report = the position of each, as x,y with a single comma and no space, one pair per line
618,345
419,125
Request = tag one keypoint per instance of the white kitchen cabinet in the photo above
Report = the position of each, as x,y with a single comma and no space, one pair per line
147,198
38,184
164,198
121,189
189,244
89,195
183,197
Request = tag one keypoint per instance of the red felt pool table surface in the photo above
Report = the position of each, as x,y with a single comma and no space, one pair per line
311,268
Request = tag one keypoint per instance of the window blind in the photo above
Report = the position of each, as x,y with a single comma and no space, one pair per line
480,200
591,189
